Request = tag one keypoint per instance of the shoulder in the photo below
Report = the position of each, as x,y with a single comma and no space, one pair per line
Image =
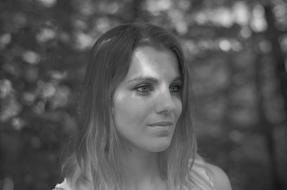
63,186
219,177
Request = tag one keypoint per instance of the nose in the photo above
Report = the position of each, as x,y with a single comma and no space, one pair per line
165,103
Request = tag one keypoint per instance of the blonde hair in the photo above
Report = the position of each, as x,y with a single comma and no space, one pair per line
94,160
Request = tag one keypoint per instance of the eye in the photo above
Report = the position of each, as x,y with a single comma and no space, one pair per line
144,89
175,88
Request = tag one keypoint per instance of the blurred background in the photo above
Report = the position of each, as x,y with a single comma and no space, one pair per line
236,50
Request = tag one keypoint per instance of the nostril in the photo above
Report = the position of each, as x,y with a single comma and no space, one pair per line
165,113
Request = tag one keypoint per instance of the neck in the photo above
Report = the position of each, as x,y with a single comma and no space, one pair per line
138,163
140,168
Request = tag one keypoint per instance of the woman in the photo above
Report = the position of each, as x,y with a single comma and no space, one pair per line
134,114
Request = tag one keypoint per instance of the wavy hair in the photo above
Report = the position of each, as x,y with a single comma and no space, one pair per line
94,163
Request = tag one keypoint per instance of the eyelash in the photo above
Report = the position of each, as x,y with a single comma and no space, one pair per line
145,89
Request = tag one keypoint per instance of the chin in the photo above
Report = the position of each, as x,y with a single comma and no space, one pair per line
159,146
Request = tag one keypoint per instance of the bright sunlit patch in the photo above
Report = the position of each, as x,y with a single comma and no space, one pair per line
241,13
157,6
103,24
58,75
5,39
31,57
220,16
223,16
111,7
258,22
5,88
46,90
61,97
83,40
48,3
143,59
178,20
224,45
45,35
18,123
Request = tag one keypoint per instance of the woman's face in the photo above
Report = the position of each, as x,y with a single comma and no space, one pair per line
147,102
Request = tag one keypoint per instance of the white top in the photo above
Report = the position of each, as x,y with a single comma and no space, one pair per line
63,186
198,174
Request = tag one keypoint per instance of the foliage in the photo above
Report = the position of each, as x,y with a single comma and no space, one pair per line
239,98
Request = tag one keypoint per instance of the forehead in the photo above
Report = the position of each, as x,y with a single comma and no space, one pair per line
153,62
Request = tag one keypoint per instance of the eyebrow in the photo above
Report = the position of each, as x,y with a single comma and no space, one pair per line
150,79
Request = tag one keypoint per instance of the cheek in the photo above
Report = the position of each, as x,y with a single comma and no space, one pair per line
129,113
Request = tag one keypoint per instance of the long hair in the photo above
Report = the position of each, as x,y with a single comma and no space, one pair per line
94,162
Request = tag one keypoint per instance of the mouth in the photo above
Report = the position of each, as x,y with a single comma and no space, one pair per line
161,124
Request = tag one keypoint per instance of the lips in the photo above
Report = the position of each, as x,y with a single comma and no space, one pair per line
161,124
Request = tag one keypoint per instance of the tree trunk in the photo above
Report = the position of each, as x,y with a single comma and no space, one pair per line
272,34
267,128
